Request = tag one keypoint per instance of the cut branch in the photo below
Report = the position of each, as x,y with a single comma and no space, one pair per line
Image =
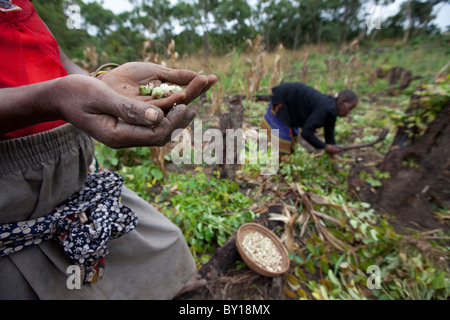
380,138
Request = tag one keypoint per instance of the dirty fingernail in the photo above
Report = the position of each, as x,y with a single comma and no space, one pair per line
151,114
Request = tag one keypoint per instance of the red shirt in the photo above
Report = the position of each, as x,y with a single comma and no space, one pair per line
28,54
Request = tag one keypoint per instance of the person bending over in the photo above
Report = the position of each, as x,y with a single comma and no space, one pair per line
295,105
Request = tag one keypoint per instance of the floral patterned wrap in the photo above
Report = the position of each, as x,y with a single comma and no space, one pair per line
83,224
6,6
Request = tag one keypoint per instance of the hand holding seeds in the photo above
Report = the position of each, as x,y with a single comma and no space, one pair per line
113,119
130,79
113,111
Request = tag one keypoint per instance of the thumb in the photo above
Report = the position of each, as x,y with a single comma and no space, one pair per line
137,112
131,111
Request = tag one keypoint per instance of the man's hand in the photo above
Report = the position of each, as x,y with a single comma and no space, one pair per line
332,149
127,78
111,118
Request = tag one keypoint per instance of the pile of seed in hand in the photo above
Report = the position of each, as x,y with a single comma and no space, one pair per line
163,91
262,251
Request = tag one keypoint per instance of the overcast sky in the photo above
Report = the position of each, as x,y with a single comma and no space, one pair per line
442,20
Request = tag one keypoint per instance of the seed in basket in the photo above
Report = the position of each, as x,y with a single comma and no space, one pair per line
262,251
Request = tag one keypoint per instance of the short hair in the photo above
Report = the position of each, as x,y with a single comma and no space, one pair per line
348,95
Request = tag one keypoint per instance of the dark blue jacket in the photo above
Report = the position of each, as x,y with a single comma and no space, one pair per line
307,108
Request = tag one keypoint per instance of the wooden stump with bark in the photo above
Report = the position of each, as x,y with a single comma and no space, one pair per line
233,119
395,76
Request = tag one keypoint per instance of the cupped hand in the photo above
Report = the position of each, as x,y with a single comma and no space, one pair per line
113,119
127,78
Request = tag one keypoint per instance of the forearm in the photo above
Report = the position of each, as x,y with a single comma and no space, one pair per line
24,106
311,138
329,133
71,68
329,137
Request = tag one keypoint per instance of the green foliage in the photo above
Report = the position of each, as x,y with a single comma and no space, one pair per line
52,12
206,208
134,164
405,273
431,97
142,177
315,171
375,179
411,267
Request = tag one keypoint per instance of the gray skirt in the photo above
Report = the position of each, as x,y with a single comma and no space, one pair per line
40,171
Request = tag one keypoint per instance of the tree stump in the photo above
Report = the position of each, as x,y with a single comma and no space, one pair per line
233,119
395,75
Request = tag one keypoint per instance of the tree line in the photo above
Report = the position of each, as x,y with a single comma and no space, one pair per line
218,26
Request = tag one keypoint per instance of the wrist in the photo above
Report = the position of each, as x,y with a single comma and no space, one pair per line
61,95
52,99
100,72
45,100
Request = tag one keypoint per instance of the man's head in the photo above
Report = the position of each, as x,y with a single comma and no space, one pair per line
346,102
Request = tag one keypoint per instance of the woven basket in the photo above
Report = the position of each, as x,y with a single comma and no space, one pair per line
254,227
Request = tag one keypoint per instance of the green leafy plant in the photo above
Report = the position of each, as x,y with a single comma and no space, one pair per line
315,171
134,164
375,178
431,97
206,208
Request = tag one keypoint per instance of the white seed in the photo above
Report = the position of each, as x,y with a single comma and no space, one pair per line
164,90
262,251
157,93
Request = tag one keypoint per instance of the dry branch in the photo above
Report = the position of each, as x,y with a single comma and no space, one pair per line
380,138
